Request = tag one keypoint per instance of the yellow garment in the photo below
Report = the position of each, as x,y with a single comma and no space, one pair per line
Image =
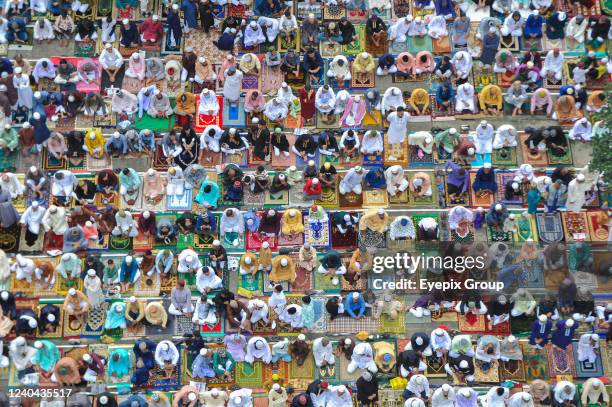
380,350
372,220
156,314
419,97
292,225
486,98
141,311
280,273
361,65
79,303
248,267
97,142
364,259
265,257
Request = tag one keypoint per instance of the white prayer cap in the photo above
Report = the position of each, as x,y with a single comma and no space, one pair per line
409,17
7,126
446,387
346,217
92,135
381,211
292,212
428,139
51,318
265,245
18,69
284,84
562,16
128,259
165,346
595,337
419,341
203,351
253,24
32,323
569,323
103,399
535,12
301,337
464,365
580,178
155,17
341,388
364,55
238,400
276,387
284,262
452,130
396,92
487,165
293,168
498,207
515,186
526,396
156,92
86,357
355,296
108,45
175,7
37,95
492,30
192,396
359,168
259,344
201,60
189,258
214,392
232,130
71,98
26,125
36,116
439,332
512,216
72,292
418,19
543,318
38,344
146,214
471,151
216,242
125,21
315,181
91,272
419,379
247,260
116,134
483,122
119,307
311,162
311,15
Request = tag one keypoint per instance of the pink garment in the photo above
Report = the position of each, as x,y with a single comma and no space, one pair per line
538,101
137,68
90,233
406,67
358,117
256,105
429,64
225,66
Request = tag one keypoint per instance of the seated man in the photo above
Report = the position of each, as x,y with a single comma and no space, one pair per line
116,145
396,180
386,65
419,101
126,226
541,102
565,109
352,181
250,64
339,69
130,37
151,30
420,185
331,264
464,98
363,65
160,106
491,100
63,185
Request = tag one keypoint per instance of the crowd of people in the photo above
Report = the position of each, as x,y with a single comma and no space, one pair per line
198,200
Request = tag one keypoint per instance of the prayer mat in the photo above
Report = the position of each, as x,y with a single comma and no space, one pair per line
510,43
396,154
283,45
574,48
560,361
370,239
575,226
462,200
606,357
85,49
526,228
550,227
587,369
531,43
328,373
72,327
494,235
63,285
303,281
549,44
278,199
422,201
483,76
416,44
502,329
9,238
350,378
249,82
254,241
536,363
180,202
599,228
489,376
504,157
399,199
94,327
203,120
350,200
375,198
272,80
120,243
148,286
358,45
183,325
333,12
442,45
253,199
359,285
441,156
160,379
332,123
240,158
471,323
267,288
251,284
329,198
512,370
324,282
479,200
317,233
154,123
552,84
347,240
282,161
532,274
97,164
503,177
392,326
435,366
304,372
294,240
297,197
565,159
372,120
381,49
416,160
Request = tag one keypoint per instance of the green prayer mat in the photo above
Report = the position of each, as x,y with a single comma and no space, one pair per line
154,124
249,375
357,46
565,159
510,160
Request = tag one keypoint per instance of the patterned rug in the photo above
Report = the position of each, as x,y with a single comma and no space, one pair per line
536,363
575,226
550,227
317,234
538,160
250,376
565,159
329,198
504,157
350,200
598,222
561,361
478,200
503,177
512,370
358,46
489,376
586,369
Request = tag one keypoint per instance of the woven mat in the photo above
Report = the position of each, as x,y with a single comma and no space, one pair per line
538,160
249,376
598,222
575,226
585,369
512,370
329,198
565,159
550,227
536,363
392,326
502,178
347,325
561,361
398,151
509,160
350,200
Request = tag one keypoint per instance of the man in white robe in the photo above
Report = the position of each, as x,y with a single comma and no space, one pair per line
259,312
576,190
23,268
576,28
232,85
398,126
325,100
521,399
505,136
10,183
362,358
271,26
372,142
588,346
553,64
240,397
166,354
564,392
210,137
513,27
111,60
392,99
484,138
339,396
124,102
253,35
339,69
189,262
352,181
462,64
323,352
55,220
160,105
258,348
440,342
175,181
581,130
444,396
398,32
31,219
464,98
275,109
207,280
396,180
423,140
63,185
209,105
126,225
43,30
292,315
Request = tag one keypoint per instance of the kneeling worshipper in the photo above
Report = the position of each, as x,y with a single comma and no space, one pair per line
362,357
588,348
516,96
115,317
594,392
581,130
396,180
457,180
505,136
402,228
201,367
487,351
207,280
485,182
423,140
275,109
156,314
540,332
323,352
496,216
66,372
76,304
167,357
258,348
491,100
564,394
159,106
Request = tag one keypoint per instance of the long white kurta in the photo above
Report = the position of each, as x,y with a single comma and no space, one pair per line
484,139
462,61
398,128
231,86
362,358
336,400
208,103
325,101
33,219
576,195
253,36
323,354
24,91
372,142
391,101
464,98
586,351
505,137
582,130
253,353
553,65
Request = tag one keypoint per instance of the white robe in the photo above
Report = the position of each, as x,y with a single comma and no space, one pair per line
484,139
323,354
576,31
325,101
586,352
582,130
208,103
463,66
33,219
553,64
464,99
253,36
275,111
252,353
362,358
231,86
512,27
440,400
398,127
44,33
369,144
391,101
505,136
398,32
